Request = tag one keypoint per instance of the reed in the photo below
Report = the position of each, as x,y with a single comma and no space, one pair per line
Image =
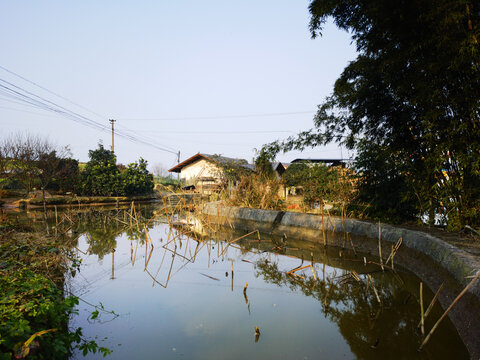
430,306
374,289
457,299
422,319
380,245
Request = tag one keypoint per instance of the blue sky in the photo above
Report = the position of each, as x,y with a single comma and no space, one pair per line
188,76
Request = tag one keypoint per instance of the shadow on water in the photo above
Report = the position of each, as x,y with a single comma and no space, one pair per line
183,292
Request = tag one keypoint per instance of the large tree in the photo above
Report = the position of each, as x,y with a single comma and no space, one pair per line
101,176
414,90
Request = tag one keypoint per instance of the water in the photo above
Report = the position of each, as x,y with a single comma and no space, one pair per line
178,299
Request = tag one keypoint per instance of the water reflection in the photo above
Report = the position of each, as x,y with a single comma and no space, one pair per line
175,288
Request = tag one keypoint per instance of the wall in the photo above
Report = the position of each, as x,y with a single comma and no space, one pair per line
458,263
201,168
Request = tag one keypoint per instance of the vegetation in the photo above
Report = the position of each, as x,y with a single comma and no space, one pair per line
28,162
413,92
321,184
259,188
102,177
34,313
257,192
231,170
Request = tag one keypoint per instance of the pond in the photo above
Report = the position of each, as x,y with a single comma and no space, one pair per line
177,294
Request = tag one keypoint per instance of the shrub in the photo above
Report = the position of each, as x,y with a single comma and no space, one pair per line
136,180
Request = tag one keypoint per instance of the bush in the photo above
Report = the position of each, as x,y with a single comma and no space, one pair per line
256,191
101,176
136,180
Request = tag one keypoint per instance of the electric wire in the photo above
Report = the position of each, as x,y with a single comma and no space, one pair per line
49,91
220,117
48,105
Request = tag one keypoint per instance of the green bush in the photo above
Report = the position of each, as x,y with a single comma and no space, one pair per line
102,177
136,180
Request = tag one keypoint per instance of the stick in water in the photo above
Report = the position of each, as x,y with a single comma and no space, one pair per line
422,322
430,306
448,310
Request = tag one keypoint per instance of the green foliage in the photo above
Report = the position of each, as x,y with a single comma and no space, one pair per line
321,183
168,181
30,303
413,91
34,313
296,174
101,176
136,180
263,165
68,175
56,172
383,183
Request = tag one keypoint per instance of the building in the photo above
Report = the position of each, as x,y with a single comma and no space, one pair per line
205,173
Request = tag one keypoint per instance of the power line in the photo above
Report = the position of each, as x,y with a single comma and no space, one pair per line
219,132
49,91
220,117
47,105
44,106
25,111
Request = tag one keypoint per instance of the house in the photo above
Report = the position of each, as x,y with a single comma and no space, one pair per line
206,173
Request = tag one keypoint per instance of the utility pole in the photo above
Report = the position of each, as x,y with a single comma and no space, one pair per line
113,132
178,162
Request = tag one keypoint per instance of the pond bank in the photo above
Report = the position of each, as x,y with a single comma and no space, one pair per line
76,201
430,258
32,268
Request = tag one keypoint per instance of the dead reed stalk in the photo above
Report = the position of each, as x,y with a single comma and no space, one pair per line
380,245
430,306
422,319
374,289
457,299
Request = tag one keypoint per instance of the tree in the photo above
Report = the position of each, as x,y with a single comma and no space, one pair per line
383,184
136,180
101,176
296,174
263,165
31,160
413,90
68,176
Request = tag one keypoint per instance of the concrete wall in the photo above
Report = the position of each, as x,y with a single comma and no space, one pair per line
460,264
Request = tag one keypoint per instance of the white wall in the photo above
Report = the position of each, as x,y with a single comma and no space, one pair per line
198,169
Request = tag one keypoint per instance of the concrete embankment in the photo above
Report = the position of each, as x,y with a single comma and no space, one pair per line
433,260
460,264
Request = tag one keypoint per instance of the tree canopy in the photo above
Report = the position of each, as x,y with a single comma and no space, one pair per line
413,89
102,176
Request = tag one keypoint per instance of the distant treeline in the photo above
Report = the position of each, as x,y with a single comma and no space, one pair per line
29,162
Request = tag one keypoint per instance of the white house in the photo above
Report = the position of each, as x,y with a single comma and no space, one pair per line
205,172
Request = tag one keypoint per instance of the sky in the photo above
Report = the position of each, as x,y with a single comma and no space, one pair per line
216,77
